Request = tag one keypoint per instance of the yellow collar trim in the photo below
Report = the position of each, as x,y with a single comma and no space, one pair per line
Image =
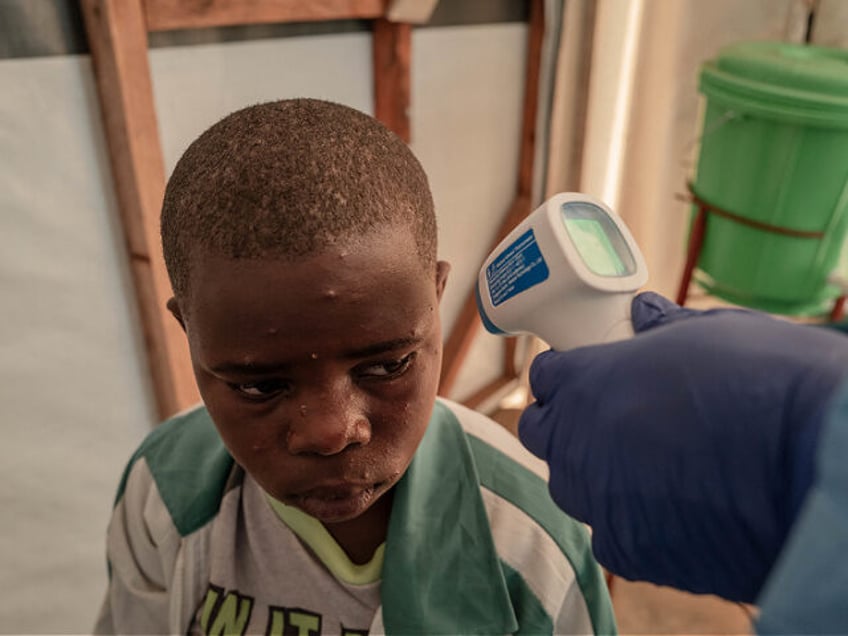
315,535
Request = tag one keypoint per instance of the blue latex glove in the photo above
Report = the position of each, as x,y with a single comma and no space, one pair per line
690,447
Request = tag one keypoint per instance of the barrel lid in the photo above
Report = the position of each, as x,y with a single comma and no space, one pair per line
803,83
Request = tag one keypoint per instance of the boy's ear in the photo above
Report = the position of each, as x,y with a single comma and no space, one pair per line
174,307
442,270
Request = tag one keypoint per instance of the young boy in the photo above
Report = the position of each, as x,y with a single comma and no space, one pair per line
322,487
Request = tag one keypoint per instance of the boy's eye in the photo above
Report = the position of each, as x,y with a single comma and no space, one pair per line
387,369
261,390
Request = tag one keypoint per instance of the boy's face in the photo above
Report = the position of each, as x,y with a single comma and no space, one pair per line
320,374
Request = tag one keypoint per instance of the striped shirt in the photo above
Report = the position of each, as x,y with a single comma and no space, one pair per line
474,545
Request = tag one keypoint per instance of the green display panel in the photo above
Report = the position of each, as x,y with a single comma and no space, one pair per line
598,240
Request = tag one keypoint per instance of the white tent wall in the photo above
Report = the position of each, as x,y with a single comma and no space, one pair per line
74,398
74,392
661,139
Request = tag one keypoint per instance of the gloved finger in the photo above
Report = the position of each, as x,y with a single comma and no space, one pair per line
649,310
534,432
547,373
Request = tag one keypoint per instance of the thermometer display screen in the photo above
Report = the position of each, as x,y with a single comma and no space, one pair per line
598,240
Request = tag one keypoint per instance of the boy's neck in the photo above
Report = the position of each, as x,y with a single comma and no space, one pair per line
360,537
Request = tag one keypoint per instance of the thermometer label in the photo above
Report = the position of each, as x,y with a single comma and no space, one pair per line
519,267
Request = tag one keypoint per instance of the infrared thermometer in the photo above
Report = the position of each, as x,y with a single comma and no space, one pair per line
566,274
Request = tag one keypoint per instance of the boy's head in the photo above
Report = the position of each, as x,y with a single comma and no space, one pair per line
300,239
284,179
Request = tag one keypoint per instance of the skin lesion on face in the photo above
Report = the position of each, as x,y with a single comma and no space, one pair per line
350,376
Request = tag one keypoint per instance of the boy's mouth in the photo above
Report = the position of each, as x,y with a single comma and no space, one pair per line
337,502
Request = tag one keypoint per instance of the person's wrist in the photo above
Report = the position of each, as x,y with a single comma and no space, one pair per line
811,406
800,469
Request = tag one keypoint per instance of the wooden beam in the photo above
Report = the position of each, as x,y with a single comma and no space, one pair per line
412,11
483,394
392,48
118,42
468,322
166,15
527,150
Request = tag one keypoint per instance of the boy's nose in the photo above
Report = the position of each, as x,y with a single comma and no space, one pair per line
328,423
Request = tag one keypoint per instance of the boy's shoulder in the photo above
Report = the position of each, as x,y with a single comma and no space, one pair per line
491,441
517,483
514,490
509,472
188,464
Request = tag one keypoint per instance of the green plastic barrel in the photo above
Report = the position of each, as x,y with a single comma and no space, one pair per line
774,150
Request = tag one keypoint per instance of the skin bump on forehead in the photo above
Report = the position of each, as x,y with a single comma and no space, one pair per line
337,252
382,264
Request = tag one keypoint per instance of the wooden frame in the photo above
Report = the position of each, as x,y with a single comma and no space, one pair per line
168,15
468,323
117,32
118,40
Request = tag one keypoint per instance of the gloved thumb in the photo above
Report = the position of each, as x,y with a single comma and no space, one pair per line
649,310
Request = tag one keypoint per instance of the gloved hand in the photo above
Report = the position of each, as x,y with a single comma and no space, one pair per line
689,448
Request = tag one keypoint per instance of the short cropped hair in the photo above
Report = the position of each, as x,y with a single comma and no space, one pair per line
285,179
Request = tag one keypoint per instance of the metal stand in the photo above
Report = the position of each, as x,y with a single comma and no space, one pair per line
696,241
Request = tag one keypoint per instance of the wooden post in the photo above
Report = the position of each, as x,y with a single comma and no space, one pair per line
392,47
693,252
118,41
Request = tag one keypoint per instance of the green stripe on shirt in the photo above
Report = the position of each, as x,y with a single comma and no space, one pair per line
529,492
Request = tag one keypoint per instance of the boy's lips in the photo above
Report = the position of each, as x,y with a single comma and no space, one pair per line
336,502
